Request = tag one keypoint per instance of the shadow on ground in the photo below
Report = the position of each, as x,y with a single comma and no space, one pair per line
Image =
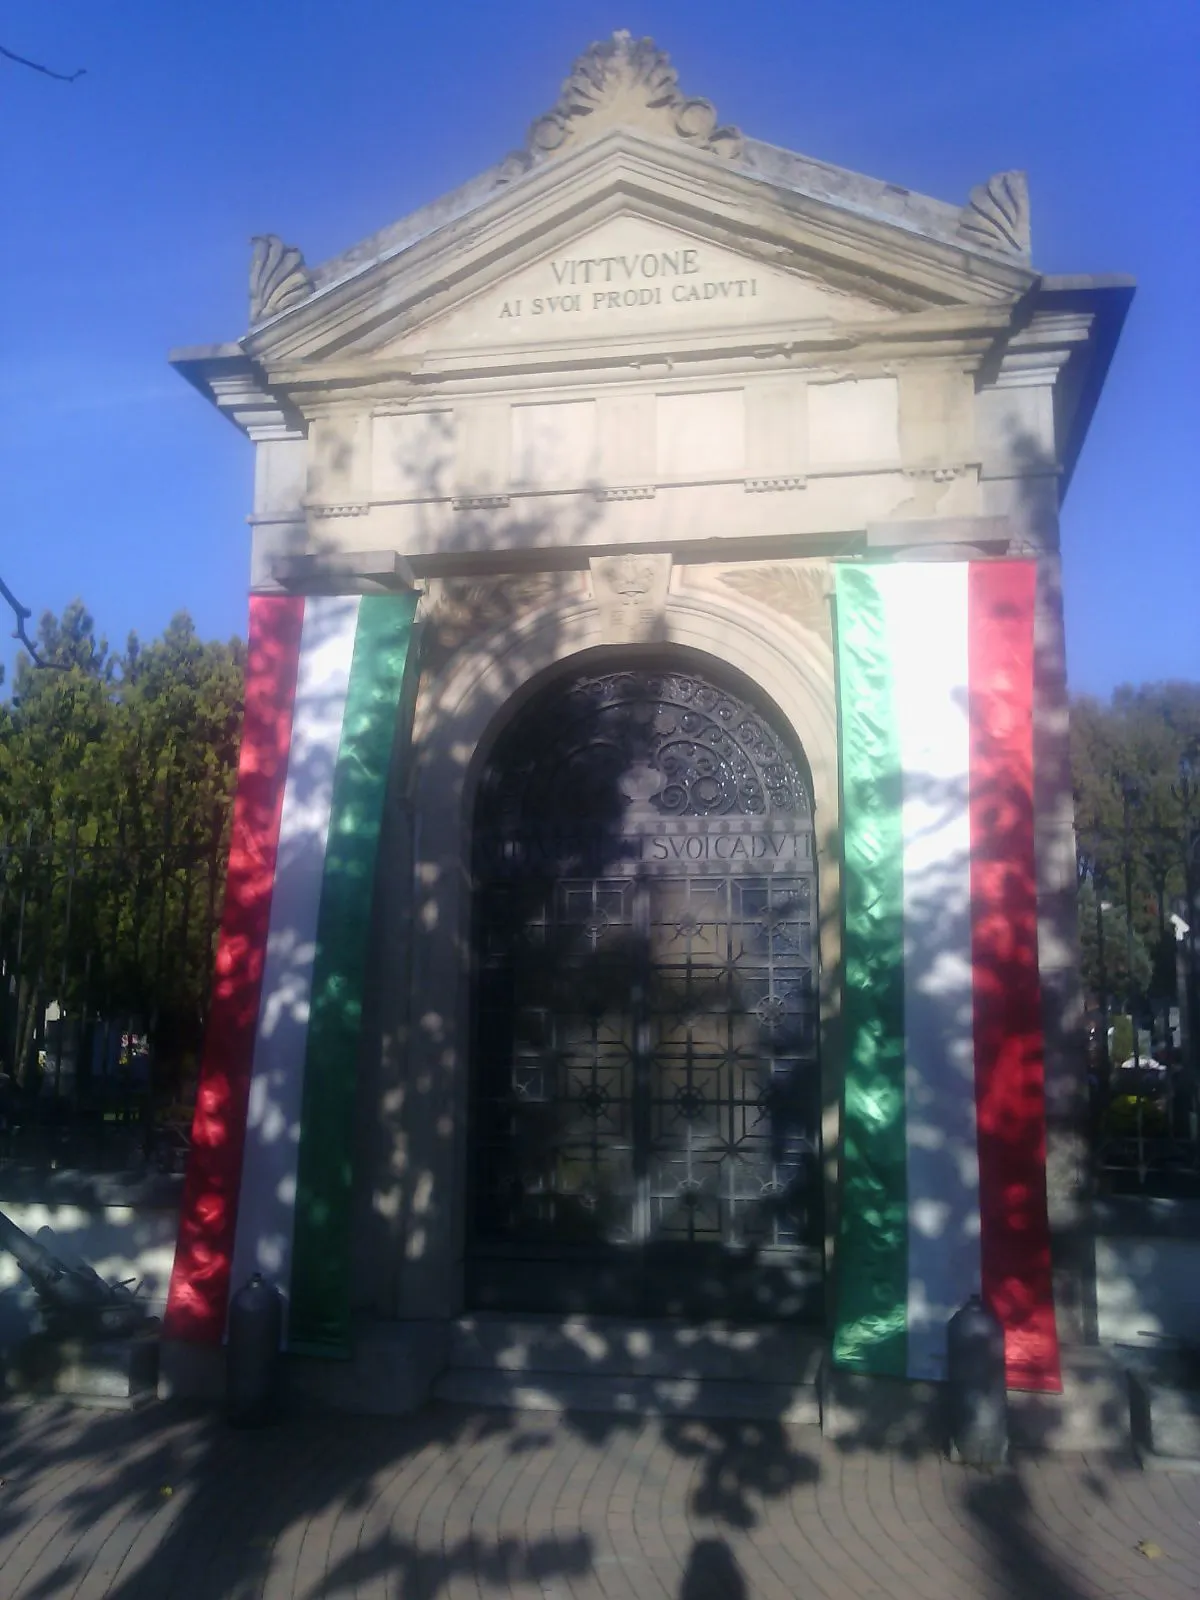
174,1502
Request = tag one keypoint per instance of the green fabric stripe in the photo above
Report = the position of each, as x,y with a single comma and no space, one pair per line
319,1320
872,1297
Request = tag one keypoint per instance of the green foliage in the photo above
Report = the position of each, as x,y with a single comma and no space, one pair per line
1127,1114
1136,773
116,780
1106,964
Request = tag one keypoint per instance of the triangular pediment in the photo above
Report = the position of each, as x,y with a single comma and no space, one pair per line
632,277
685,242
636,232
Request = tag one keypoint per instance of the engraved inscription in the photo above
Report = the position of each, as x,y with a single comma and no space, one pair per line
628,282
731,847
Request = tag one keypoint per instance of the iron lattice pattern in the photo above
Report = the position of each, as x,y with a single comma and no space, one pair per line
693,1120
646,1042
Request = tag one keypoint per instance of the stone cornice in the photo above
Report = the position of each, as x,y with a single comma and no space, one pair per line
272,401
239,389
961,334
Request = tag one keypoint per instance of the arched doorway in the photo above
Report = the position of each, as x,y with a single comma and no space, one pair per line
645,1086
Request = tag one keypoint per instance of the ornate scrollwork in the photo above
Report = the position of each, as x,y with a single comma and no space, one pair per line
661,741
278,277
997,214
623,80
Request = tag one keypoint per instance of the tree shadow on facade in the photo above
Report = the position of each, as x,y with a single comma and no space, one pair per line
402,1199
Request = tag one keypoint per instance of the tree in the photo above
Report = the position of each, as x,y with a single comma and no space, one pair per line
1104,949
116,776
1137,800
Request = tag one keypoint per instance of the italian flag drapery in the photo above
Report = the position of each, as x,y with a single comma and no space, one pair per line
268,1184
944,1187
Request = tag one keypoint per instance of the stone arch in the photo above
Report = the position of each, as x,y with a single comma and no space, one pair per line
458,718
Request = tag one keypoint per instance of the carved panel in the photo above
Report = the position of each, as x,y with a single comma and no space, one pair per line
456,610
631,593
797,592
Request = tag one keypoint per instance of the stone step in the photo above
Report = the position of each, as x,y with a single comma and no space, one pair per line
774,1353
626,1395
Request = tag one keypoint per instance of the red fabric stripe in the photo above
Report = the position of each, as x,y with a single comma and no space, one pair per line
199,1293
1009,1079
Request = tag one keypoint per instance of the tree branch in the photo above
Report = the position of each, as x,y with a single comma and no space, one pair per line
22,614
59,77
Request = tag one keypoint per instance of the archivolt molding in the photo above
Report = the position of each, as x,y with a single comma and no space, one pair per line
490,676
499,666
794,670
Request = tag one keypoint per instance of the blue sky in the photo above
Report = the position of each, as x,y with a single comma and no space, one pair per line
130,197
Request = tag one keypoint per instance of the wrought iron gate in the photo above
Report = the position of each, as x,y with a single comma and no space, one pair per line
646,1102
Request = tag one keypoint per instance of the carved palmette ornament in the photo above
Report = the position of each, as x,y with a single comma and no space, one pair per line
278,277
797,592
997,214
624,80
456,610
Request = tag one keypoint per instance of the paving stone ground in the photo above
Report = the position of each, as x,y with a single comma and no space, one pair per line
170,1504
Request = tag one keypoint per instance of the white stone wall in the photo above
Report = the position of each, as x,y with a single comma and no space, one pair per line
664,461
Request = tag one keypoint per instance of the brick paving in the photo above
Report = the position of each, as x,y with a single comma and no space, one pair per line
170,1504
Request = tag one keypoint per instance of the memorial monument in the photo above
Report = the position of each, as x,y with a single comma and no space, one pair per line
652,888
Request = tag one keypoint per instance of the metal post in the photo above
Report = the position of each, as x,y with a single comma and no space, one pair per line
18,1075
1102,973
1128,797
155,1010
62,977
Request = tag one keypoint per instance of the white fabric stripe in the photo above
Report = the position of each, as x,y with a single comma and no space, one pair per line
926,611
266,1213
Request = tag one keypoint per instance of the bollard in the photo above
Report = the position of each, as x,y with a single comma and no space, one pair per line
976,1391
252,1356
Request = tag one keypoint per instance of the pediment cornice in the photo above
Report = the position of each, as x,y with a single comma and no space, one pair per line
626,173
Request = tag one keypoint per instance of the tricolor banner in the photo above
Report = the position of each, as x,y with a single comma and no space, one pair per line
943,1153
268,1184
